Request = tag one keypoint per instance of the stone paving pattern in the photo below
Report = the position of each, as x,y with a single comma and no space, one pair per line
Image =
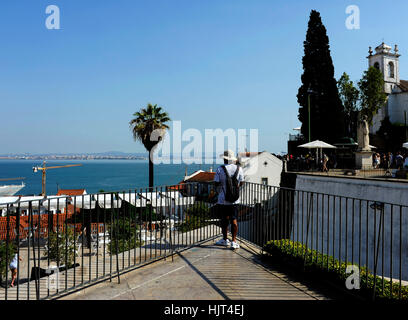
204,272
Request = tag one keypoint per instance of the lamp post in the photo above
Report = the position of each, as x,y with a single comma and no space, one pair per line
308,108
309,92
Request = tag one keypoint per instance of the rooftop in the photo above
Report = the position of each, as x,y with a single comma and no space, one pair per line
200,176
403,85
71,192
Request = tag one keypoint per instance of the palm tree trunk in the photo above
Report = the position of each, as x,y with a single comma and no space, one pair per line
151,171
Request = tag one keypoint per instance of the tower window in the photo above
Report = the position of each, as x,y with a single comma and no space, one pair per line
391,73
377,66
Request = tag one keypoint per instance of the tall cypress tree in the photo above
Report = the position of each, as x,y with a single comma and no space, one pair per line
326,111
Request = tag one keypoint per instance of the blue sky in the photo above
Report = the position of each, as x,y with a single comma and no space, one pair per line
210,64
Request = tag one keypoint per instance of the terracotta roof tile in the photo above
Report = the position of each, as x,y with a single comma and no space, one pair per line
202,177
71,192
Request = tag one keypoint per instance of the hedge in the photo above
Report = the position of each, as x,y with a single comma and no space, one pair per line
297,254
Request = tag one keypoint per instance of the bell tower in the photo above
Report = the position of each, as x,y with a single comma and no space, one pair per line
388,63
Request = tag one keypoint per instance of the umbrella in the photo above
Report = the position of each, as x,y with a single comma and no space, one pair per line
317,144
405,145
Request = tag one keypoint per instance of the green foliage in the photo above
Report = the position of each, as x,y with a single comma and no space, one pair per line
296,252
124,235
5,258
326,111
146,121
61,247
392,135
149,127
372,93
147,213
198,209
197,216
349,96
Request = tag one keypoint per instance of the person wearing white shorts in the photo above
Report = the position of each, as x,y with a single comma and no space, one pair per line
13,268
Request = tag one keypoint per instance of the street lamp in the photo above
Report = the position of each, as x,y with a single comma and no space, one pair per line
309,92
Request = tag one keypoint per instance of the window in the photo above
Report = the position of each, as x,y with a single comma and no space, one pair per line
377,65
391,73
264,181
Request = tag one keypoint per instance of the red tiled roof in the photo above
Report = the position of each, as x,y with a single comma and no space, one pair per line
179,186
71,192
202,177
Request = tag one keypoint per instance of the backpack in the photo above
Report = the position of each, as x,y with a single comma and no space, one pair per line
232,186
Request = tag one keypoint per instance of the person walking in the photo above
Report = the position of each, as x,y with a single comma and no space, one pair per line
13,268
227,210
325,160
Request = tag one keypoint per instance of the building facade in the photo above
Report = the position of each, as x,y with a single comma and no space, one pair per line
397,90
262,168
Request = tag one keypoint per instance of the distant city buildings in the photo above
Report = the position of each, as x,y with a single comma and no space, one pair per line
72,157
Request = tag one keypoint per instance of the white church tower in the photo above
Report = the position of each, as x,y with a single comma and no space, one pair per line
388,63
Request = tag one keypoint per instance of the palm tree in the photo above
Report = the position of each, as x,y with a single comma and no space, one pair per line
149,127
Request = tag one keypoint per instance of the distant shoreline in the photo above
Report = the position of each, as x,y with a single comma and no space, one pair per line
74,158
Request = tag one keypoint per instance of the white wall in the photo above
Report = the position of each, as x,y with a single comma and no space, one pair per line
397,104
335,221
255,169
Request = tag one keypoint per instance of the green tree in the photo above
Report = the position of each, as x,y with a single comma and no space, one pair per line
349,96
326,111
197,216
391,134
124,235
61,248
149,127
6,255
372,95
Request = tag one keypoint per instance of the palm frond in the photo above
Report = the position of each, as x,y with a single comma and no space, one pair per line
146,121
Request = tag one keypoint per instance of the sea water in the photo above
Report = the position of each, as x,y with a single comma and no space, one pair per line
94,175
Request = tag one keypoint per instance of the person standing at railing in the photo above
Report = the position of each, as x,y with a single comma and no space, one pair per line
227,210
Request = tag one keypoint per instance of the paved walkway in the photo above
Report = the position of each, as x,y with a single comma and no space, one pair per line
205,272
97,264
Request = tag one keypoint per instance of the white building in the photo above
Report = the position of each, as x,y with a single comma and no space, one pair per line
396,89
263,168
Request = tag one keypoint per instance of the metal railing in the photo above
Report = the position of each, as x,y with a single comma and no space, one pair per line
333,232
61,244
68,243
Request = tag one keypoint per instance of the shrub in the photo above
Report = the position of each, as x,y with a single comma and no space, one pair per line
5,257
61,247
298,254
147,213
197,216
123,234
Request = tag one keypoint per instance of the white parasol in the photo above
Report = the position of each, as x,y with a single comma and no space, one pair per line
317,144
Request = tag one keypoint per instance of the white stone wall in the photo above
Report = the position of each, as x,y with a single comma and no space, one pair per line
377,119
350,230
398,103
254,169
